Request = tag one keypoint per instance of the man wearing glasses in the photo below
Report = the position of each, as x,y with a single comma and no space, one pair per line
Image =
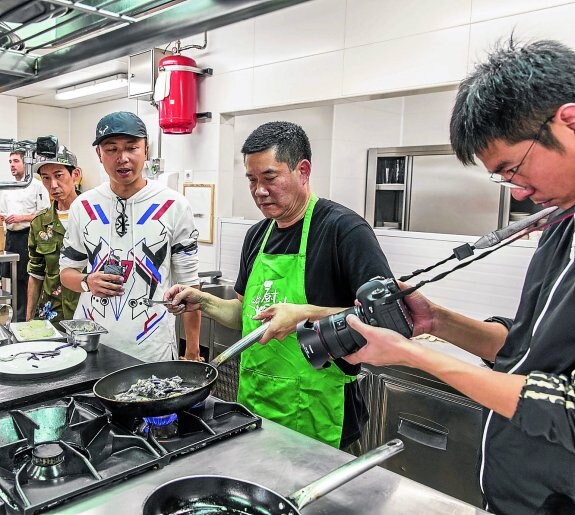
128,240
516,113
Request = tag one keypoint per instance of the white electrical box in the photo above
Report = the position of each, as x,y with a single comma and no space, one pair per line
143,72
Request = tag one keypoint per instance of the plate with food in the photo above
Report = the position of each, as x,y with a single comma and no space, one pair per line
35,330
39,358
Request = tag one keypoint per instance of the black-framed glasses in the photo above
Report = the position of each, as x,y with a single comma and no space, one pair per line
497,178
122,218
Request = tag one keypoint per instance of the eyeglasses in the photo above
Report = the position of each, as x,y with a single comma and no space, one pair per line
496,176
122,218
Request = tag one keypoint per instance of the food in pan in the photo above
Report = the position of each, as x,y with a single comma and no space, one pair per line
154,388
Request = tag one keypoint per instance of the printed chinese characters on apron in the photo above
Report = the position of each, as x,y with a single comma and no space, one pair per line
276,381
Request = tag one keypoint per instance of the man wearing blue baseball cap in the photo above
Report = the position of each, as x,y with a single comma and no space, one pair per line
135,237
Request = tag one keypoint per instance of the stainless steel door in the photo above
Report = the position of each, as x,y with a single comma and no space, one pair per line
447,197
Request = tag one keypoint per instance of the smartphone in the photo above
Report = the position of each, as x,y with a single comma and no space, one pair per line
110,268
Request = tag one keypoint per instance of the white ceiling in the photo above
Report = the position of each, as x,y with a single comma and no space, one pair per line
43,92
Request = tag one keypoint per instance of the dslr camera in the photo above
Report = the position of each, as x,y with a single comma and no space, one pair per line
331,338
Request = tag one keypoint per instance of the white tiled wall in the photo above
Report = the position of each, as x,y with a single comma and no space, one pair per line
312,28
36,120
371,21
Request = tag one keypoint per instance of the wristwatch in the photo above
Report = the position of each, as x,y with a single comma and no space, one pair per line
84,283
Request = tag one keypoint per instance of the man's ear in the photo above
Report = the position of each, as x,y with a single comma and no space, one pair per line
304,167
566,113
99,154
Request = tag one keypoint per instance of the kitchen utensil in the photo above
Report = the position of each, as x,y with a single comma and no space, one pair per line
197,494
151,302
199,377
40,358
6,313
85,333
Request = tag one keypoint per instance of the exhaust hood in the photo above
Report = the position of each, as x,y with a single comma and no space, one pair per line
44,39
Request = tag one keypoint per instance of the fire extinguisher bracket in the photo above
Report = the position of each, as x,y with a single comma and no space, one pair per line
204,117
193,69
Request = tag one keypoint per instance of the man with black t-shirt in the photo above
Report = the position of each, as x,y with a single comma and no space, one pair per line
306,260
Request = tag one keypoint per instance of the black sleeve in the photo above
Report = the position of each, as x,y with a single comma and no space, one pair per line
362,257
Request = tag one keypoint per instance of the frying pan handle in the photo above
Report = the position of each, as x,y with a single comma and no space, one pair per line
345,473
241,345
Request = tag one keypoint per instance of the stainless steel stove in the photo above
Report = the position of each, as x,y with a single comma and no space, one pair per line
54,451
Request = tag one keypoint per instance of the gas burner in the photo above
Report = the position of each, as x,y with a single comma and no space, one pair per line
47,454
161,427
47,462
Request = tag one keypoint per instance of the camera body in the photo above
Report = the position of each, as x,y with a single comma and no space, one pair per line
47,146
331,337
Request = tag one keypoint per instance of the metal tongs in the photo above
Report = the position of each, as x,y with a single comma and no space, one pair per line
152,302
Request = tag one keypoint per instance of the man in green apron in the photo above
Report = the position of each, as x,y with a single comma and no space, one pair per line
306,259
55,302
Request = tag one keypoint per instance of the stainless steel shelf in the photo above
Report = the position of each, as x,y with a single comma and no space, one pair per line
390,187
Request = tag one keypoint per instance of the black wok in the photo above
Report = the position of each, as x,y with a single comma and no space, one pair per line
200,377
225,495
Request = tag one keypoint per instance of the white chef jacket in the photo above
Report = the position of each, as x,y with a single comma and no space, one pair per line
24,201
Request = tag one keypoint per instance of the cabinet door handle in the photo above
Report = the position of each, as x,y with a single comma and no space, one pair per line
423,431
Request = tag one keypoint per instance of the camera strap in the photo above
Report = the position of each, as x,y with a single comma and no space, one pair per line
516,229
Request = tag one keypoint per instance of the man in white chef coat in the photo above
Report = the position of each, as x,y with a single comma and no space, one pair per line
18,207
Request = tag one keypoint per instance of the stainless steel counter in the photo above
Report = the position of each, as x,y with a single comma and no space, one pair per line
283,461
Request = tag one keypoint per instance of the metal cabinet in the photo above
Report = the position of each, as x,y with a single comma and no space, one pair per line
11,296
440,428
426,189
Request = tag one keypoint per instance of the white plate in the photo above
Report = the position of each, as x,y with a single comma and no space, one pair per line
23,367
19,330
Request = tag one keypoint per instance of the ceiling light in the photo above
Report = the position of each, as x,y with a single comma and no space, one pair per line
117,81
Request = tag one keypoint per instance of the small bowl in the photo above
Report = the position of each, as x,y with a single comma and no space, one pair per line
84,333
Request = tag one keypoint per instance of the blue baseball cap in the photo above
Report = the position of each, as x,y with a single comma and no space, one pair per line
120,123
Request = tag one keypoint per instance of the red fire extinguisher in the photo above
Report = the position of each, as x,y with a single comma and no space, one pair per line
175,92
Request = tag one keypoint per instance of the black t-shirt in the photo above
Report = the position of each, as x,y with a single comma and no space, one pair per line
342,254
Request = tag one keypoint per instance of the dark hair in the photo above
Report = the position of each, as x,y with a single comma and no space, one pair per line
289,141
21,153
511,95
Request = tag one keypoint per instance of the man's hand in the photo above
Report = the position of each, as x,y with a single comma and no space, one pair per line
383,347
192,357
16,219
284,319
105,285
422,311
183,298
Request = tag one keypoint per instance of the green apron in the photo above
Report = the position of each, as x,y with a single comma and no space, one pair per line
276,381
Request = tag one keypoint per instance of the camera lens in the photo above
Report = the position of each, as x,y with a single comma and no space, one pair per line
329,338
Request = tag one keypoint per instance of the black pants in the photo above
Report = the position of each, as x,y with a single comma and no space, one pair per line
17,242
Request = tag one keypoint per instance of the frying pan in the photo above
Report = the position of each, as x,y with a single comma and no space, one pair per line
200,377
220,494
